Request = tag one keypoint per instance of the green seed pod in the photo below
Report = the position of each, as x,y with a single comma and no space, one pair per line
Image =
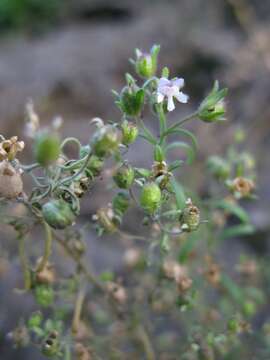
35,320
120,203
44,295
190,218
124,176
219,167
131,100
105,141
58,214
47,149
150,198
146,63
94,165
129,133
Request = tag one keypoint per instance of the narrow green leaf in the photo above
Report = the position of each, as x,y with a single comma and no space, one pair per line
179,194
237,230
180,144
234,209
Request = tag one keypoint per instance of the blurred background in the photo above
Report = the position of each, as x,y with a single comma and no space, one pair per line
67,55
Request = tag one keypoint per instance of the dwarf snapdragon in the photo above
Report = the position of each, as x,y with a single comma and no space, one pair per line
170,89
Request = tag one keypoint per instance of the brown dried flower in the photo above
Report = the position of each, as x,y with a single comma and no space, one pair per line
10,147
243,186
11,184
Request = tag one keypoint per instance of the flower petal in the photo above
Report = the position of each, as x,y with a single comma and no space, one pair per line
163,82
160,97
181,97
170,106
179,82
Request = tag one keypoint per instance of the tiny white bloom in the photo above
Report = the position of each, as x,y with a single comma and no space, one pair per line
171,89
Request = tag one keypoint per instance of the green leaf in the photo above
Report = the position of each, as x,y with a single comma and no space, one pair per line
232,288
237,230
186,133
179,194
187,247
234,209
180,144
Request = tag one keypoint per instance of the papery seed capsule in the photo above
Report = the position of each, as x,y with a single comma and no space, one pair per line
11,184
47,148
124,176
94,165
58,214
150,198
190,218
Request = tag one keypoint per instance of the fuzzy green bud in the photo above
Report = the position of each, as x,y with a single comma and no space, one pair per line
249,308
150,198
105,141
47,148
219,167
124,176
213,108
146,63
58,214
129,133
44,295
131,100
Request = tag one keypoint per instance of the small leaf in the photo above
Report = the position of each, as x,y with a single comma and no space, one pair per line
183,145
179,194
237,230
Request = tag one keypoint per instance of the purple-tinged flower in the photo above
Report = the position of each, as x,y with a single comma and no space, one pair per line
170,89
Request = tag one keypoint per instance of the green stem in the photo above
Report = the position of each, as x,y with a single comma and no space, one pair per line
77,311
162,124
47,248
78,173
24,263
143,337
179,123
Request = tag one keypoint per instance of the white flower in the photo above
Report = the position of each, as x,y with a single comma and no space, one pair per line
170,89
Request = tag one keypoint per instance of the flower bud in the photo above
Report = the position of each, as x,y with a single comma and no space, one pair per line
219,167
58,214
44,295
120,203
212,108
190,218
11,184
146,63
249,308
47,148
129,133
131,100
150,198
124,176
105,141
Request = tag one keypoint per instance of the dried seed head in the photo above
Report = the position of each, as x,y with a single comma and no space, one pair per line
190,218
242,186
11,184
46,275
132,257
10,147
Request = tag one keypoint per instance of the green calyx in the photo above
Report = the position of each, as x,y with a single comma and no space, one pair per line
146,63
131,100
124,176
212,108
129,133
150,198
105,141
58,214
